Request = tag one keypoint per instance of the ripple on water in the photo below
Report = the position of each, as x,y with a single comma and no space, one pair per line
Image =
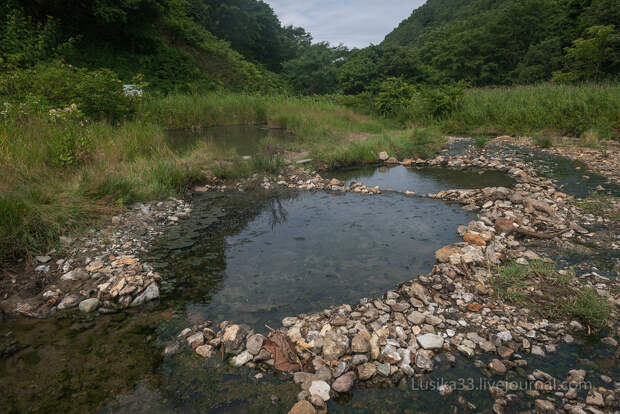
302,252
425,180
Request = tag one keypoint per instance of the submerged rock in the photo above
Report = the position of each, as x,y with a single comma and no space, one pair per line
89,305
150,293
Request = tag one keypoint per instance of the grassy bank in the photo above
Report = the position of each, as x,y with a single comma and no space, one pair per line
546,108
59,174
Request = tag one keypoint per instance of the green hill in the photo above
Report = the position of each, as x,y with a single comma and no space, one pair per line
496,42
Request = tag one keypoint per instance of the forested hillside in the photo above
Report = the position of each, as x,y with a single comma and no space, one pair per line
495,42
176,44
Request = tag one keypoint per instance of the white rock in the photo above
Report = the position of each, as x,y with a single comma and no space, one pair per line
321,389
430,341
242,359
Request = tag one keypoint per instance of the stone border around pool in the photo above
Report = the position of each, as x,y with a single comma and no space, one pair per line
449,310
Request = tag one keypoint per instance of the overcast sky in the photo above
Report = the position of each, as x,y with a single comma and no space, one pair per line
355,23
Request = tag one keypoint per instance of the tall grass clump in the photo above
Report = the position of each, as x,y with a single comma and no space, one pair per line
307,117
414,143
563,109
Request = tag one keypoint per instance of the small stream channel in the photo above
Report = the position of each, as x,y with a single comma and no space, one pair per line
256,257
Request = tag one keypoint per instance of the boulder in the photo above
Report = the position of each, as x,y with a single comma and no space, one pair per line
89,305
232,339
430,341
302,407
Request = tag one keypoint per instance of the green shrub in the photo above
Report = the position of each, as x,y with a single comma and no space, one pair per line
438,102
590,307
543,141
393,96
98,94
482,141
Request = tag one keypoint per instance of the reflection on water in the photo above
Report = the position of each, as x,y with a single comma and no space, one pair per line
242,139
424,180
302,252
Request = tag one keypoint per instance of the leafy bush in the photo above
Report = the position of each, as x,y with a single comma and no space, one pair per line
393,96
441,101
543,141
98,94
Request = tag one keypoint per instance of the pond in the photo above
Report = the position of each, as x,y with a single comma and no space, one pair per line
299,252
245,140
424,180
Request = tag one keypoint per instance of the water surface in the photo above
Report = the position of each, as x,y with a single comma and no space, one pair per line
242,139
301,252
424,180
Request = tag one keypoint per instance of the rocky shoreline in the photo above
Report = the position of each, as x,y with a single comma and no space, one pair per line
451,310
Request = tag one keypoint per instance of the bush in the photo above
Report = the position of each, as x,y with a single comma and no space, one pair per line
98,94
543,141
441,101
394,95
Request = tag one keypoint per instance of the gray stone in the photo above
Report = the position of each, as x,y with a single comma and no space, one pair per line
430,341
384,369
335,346
75,274
195,340
537,350
254,343
69,301
422,361
232,339
241,359
89,305
383,156
366,371
468,352
150,293
360,344
344,383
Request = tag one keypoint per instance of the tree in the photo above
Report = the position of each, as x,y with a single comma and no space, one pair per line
315,70
591,58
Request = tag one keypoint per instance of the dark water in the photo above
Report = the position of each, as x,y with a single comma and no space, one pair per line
242,139
572,177
424,180
300,252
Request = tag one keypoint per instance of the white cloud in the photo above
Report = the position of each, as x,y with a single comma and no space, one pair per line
355,23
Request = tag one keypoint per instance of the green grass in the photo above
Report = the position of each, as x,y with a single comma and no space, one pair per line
59,177
539,287
558,109
599,204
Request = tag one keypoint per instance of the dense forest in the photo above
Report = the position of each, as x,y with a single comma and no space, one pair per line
185,45
494,42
